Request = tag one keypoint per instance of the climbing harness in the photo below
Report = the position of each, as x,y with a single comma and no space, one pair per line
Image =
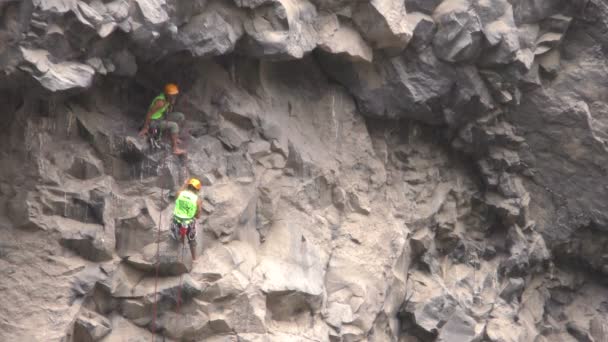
155,138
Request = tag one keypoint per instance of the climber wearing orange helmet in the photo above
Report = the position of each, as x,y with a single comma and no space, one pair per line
187,209
161,115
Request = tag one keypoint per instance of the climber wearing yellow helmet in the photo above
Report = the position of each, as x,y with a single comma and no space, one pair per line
161,115
187,210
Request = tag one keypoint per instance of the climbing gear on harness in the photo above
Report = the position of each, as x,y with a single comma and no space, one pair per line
186,205
155,137
171,89
195,183
183,229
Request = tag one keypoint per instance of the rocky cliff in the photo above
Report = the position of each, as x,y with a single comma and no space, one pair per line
373,170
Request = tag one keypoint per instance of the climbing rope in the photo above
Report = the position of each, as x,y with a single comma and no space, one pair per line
157,264
181,277
160,220
155,305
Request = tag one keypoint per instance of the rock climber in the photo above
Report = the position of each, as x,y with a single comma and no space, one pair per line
161,115
187,210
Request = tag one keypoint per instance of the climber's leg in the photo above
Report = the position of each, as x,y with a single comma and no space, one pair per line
192,239
174,129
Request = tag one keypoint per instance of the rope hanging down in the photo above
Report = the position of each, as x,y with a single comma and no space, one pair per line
157,265
160,218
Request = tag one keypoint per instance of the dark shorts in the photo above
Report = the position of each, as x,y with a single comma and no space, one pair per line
170,123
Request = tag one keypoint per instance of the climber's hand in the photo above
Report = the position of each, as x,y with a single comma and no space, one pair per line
143,131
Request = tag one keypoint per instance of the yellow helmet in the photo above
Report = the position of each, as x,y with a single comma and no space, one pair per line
171,89
195,183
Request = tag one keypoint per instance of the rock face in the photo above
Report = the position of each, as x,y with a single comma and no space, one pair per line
374,170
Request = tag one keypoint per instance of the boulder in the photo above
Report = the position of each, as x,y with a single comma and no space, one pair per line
383,24
291,278
86,167
91,327
234,210
429,307
258,149
57,76
135,229
26,212
122,327
169,291
90,241
425,6
219,36
342,39
186,326
460,327
513,289
459,32
85,280
232,137
153,11
173,258
281,30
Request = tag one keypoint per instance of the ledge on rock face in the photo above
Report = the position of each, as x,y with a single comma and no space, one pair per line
244,314
90,241
85,280
168,290
121,328
184,326
175,259
91,327
58,76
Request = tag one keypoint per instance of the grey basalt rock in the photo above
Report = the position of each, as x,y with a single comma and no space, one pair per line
383,23
340,38
91,327
459,31
58,76
374,171
288,32
210,33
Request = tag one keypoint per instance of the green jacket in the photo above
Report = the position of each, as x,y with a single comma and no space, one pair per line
186,205
162,111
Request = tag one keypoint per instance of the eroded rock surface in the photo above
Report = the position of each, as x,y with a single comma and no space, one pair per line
376,170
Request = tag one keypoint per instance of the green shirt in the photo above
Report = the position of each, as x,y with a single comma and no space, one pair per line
186,205
162,111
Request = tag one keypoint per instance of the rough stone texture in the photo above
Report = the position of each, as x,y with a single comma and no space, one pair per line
372,170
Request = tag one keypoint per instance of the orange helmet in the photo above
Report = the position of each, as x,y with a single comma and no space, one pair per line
171,89
195,183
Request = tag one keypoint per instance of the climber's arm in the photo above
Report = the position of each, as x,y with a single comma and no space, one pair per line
157,105
199,208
